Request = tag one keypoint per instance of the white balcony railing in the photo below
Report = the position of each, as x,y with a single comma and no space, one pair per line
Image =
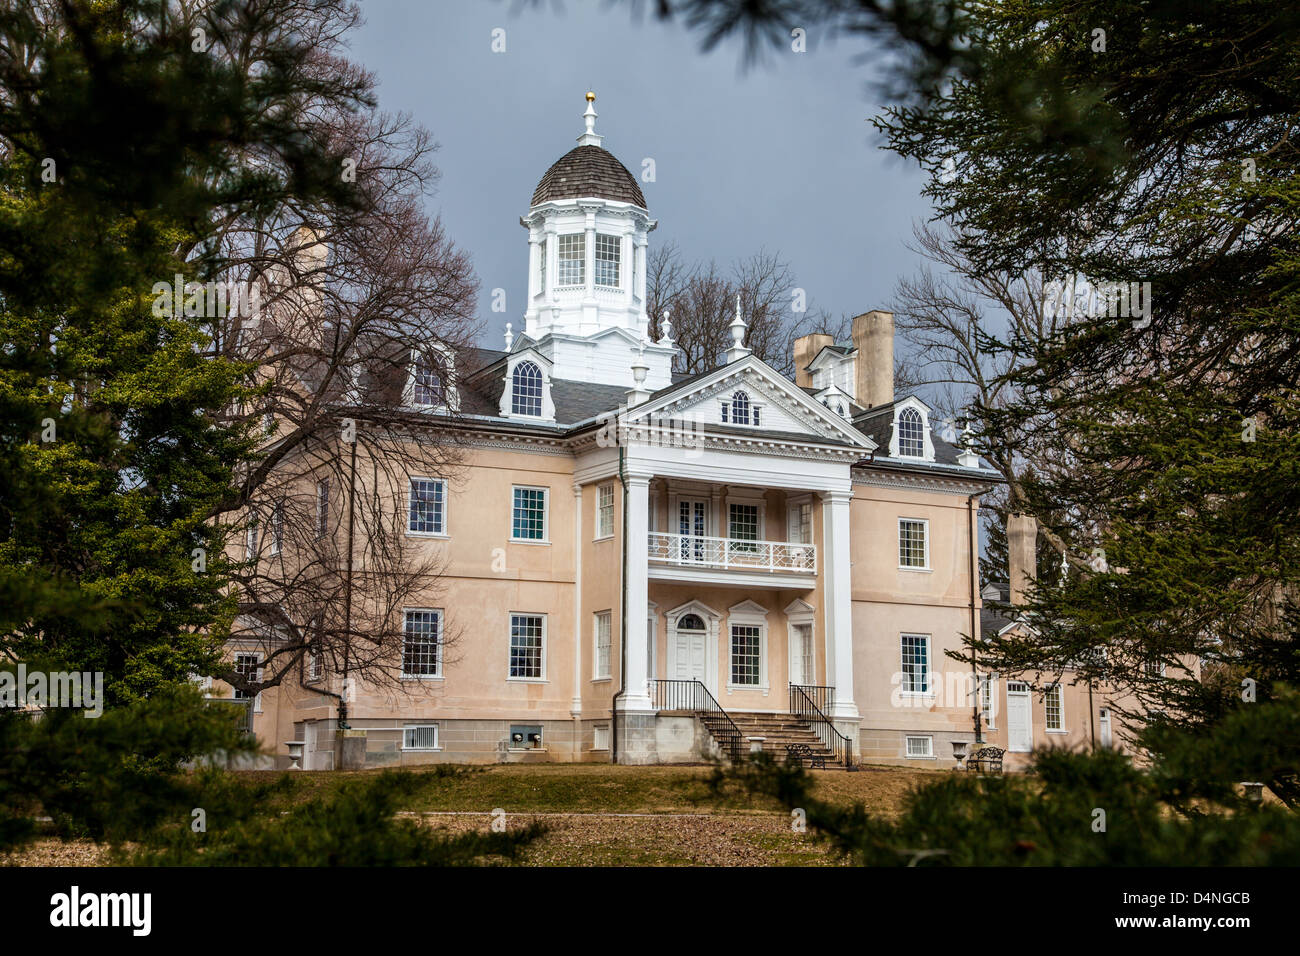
698,551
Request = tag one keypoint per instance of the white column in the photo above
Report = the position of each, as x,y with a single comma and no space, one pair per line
575,707
838,594
635,693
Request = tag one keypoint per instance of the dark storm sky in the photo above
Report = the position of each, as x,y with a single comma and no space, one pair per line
779,155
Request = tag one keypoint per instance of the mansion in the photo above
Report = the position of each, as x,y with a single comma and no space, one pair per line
648,567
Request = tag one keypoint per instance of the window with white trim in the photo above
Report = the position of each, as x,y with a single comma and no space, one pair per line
987,698
1054,707
605,511
746,655
742,527
249,666
422,643
250,539
740,407
911,434
600,737
315,664
426,388
527,646
920,746
600,660
427,506
916,663
526,389
541,261
913,546
608,250
528,514
420,737
572,259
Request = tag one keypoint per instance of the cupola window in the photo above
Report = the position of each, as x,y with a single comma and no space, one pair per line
573,259
607,260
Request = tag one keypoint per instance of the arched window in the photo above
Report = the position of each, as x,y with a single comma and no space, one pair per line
911,434
690,622
740,408
428,384
526,390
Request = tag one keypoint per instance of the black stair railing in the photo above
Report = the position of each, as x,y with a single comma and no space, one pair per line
694,696
804,705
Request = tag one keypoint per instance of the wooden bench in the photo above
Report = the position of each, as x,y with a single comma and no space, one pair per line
985,760
798,753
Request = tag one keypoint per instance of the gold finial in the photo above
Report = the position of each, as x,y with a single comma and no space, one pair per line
591,97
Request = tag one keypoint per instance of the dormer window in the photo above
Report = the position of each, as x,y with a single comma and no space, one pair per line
911,434
427,388
526,390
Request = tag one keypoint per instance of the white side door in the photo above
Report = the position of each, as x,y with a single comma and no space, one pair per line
801,646
1103,718
1020,729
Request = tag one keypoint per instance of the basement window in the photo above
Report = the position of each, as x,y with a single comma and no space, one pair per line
920,747
420,737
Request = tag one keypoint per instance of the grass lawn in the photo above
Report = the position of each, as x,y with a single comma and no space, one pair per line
602,815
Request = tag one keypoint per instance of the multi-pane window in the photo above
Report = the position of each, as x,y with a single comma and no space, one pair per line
746,655
526,389
528,517
916,664
911,434
602,627
740,408
421,644
322,507
572,260
247,667
527,632
541,261
607,256
277,527
420,737
920,746
801,523
742,527
427,383
911,543
315,663
986,699
1054,705
604,511
427,504
250,539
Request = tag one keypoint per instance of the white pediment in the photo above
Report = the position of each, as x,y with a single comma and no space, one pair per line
784,407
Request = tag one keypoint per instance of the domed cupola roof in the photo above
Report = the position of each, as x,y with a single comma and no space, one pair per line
589,171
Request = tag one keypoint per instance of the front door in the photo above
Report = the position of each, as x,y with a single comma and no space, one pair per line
691,525
690,650
1020,732
801,654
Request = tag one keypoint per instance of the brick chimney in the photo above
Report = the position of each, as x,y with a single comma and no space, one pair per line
806,348
873,337
1022,554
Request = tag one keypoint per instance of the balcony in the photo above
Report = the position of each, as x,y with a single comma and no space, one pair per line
685,557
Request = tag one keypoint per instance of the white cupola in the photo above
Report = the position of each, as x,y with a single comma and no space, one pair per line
588,229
